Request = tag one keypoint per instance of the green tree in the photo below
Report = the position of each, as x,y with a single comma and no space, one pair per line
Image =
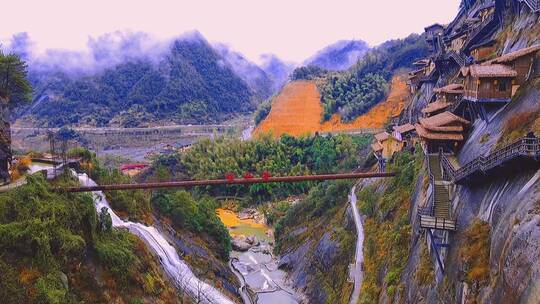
105,220
14,87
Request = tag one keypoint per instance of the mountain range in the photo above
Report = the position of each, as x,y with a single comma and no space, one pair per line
127,81
339,56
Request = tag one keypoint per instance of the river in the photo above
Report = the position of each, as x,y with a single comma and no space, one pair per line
257,267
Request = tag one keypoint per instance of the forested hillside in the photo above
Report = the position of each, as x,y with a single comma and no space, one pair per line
192,83
340,55
55,248
356,90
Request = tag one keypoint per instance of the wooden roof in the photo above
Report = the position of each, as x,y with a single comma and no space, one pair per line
435,106
376,147
416,72
487,70
427,134
404,128
482,44
421,62
453,88
382,136
442,121
515,55
433,26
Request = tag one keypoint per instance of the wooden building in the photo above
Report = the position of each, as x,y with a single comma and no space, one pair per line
487,83
434,35
483,51
435,108
446,97
498,79
450,93
406,133
389,144
522,61
414,79
442,131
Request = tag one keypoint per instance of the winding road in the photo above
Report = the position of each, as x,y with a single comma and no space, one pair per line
359,255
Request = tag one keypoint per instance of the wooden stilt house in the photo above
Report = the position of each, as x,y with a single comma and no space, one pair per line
442,131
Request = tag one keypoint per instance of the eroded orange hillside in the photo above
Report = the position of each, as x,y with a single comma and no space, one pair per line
297,110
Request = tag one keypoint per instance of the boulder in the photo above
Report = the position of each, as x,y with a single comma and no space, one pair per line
252,240
240,244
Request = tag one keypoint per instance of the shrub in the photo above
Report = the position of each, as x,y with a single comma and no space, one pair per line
519,125
115,251
263,110
387,228
197,216
475,253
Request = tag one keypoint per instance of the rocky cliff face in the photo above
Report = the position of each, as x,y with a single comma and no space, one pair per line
316,250
507,203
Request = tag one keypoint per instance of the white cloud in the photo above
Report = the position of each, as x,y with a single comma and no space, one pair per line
292,29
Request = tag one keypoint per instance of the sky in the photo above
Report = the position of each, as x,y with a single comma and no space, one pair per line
292,29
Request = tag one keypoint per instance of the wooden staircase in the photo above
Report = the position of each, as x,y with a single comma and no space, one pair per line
438,214
459,58
489,25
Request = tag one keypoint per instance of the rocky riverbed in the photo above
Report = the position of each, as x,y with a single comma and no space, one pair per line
252,258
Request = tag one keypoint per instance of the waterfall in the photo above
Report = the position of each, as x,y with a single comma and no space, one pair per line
177,269
356,270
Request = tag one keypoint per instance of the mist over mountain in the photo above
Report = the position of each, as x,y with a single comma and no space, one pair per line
132,81
256,78
277,69
128,78
340,55
102,52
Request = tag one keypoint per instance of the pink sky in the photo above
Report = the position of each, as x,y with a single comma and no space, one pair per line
292,29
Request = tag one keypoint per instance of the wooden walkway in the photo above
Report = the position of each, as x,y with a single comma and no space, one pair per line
526,148
534,5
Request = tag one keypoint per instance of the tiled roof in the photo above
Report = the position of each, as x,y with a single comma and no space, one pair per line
376,147
435,106
514,55
421,62
488,70
382,136
433,26
424,133
453,88
442,120
404,128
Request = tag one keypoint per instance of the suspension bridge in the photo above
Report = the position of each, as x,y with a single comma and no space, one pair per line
227,181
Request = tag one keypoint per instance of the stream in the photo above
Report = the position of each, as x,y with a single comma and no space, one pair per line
257,267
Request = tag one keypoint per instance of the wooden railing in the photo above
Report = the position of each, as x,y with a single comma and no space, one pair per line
472,35
526,146
452,108
534,5
459,58
431,202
